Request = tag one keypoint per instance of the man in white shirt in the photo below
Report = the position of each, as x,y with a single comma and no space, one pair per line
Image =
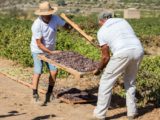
44,31
117,36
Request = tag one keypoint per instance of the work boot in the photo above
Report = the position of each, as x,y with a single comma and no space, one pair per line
47,99
35,99
132,117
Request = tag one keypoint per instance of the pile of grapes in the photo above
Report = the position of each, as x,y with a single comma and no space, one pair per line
74,61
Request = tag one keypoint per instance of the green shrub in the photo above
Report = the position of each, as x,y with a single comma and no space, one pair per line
146,26
148,80
15,36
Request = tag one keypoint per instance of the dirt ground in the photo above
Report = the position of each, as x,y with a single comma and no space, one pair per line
15,101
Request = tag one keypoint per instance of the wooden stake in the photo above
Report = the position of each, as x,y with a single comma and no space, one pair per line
76,27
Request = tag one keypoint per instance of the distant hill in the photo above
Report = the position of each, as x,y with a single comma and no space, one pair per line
77,6
81,3
6,4
155,2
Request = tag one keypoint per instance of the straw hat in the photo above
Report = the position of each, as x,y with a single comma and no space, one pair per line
45,9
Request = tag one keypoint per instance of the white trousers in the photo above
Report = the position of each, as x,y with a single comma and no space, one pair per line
127,63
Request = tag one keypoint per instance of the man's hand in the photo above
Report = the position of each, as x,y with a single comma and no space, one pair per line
96,72
68,26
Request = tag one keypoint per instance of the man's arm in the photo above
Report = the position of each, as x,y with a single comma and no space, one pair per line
42,47
105,56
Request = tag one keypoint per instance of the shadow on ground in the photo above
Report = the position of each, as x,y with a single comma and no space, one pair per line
44,117
116,101
141,111
11,113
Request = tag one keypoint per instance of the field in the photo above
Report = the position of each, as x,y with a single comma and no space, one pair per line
15,37
16,106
